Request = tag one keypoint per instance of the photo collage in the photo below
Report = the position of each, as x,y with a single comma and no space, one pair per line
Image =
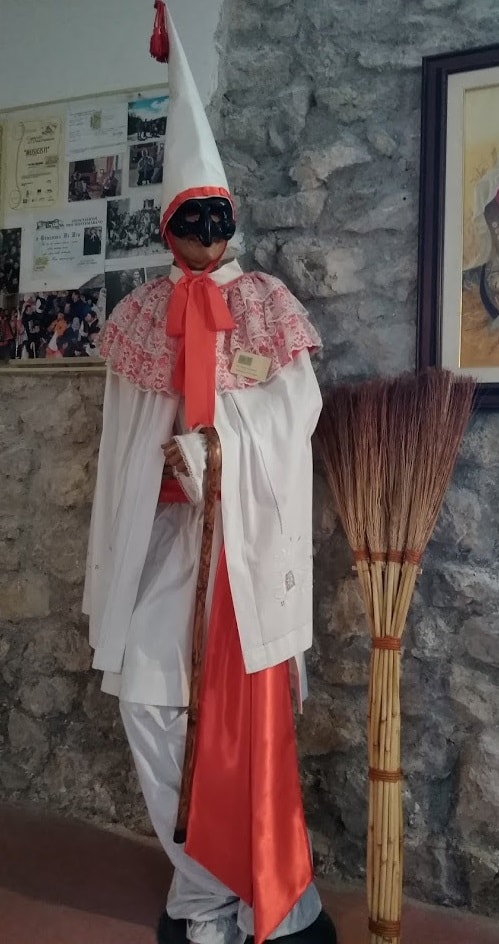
64,266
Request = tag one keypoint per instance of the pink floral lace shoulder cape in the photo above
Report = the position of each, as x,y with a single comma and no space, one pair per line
269,320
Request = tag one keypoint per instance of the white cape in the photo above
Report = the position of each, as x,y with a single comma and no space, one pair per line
265,434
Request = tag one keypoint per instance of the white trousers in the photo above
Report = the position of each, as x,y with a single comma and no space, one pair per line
214,915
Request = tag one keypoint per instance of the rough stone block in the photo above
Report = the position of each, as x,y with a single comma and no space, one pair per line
345,613
318,725
479,790
16,461
348,102
333,721
382,142
246,128
12,777
48,696
28,739
480,638
461,522
433,871
99,708
71,419
349,771
296,211
432,635
86,775
318,270
265,252
439,4
347,664
380,57
23,596
313,168
272,4
63,648
394,212
480,445
272,65
482,870
476,696
429,752
392,346
65,481
70,535
473,584
10,542
325,518
396,267
4,649
325,14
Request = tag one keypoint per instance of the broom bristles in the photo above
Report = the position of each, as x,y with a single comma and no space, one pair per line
389,448
446,402
337,426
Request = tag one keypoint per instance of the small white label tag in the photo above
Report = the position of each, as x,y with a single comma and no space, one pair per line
252,366
290,580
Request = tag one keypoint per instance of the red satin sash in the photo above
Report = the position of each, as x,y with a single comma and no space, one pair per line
197,310
171,492
246,822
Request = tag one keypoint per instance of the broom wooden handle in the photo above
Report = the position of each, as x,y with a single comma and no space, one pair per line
213,470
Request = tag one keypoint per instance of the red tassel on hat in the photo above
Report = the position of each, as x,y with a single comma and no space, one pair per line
159,46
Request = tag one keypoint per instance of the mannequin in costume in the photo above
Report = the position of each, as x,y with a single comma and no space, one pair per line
210,346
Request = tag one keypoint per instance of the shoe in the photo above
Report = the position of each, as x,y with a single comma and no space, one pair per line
321,931
170,931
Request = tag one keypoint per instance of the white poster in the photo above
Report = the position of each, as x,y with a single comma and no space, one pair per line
33,164
67,249
96,128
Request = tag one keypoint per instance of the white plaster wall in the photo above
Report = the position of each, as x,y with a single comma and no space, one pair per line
52,49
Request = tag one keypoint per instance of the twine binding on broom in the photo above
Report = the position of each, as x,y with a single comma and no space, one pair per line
387,642
387,776
388,557
384,928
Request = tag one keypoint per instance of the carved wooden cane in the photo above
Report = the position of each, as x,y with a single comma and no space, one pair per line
213,470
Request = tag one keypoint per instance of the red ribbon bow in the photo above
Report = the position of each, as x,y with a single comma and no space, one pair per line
196,311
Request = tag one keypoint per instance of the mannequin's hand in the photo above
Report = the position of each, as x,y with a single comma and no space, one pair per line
174,458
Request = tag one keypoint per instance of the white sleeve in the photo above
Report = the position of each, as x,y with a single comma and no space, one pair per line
265,432
194,452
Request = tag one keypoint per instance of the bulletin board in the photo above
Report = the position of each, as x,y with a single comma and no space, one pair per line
80,205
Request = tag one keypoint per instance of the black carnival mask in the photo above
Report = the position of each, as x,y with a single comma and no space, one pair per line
210,219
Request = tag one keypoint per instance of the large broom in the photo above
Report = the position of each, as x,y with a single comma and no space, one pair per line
389,449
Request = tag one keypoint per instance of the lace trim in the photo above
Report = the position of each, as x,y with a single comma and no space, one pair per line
269,321
187,464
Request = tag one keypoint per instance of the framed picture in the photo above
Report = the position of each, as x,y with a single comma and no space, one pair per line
458,279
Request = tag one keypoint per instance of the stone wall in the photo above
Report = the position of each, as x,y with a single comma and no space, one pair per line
61,740
318,119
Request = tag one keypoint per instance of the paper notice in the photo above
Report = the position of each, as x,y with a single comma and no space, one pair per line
96,128
67,249
33,164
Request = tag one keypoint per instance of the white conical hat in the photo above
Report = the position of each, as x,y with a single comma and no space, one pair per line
192,166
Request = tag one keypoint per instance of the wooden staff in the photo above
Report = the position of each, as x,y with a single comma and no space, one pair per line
213,471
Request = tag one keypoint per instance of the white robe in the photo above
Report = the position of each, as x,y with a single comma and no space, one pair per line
266,518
